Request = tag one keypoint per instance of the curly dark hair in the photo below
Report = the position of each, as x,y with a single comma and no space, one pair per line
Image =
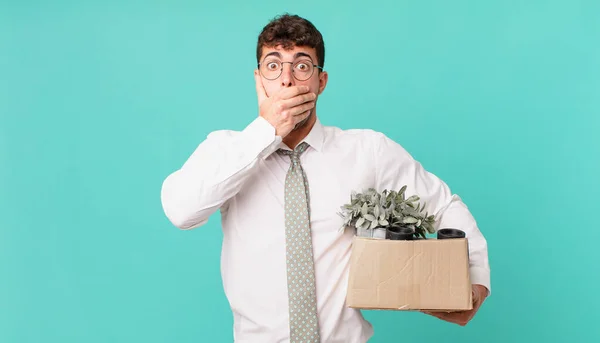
289,31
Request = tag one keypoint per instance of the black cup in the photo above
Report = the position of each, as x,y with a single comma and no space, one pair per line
399,233
450,233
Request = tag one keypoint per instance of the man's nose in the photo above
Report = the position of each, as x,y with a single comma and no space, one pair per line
287,79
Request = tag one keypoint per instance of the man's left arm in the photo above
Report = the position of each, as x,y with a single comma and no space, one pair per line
395,167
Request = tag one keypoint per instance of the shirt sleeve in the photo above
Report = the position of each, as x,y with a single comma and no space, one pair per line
215,172
396,168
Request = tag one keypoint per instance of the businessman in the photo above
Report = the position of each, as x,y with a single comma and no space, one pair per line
278,185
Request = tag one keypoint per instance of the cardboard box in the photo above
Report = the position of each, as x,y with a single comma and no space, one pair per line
427,274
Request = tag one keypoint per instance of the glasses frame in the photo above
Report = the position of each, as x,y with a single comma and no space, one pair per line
315,66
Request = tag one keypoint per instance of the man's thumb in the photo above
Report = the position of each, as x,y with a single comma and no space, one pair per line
475,296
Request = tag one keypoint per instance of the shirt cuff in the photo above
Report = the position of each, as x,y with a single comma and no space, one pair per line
262,135
481,276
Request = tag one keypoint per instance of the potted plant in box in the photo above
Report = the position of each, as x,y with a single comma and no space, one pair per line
387,215
406,217
367,212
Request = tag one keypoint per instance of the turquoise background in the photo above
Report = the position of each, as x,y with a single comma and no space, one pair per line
100,101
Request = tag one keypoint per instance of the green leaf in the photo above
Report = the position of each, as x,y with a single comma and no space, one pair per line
402,190
373,224
384,222
370,217
376,211
364,209
360,222
413,198
428,227
409,220
365,225
411,212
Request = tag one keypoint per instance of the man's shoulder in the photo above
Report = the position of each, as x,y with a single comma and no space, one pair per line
258,126
361,135
363,139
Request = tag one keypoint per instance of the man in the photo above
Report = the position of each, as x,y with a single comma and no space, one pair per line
279,184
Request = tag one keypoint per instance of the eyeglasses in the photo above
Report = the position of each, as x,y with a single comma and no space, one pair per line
302,70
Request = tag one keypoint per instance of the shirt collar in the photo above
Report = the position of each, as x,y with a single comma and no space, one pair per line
314,138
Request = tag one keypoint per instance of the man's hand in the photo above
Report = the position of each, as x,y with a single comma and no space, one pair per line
463,317
286,108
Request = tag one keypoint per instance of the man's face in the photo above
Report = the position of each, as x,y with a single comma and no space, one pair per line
300,58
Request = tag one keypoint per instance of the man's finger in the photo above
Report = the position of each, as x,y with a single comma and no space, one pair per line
453,317
299,100
475,297
260,90
290,92
439,315
298,110
301,118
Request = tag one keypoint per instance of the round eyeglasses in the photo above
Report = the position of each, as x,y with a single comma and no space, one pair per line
302,70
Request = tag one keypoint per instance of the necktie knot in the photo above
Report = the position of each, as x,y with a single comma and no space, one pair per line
294,154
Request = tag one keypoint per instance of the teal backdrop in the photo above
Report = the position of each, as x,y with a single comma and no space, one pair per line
100,101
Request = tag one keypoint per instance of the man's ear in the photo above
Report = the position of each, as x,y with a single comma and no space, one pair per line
323,78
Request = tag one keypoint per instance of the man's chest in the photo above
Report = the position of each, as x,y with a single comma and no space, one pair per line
330,179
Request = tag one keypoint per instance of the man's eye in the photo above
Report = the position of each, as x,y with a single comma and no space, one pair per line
273,65
302,66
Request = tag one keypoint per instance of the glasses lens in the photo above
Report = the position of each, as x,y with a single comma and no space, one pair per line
303,70
270,69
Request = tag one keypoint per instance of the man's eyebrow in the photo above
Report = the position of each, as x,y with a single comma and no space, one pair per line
302,54
298,54
273,53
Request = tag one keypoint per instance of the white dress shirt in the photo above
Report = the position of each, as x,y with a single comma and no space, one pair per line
238,173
